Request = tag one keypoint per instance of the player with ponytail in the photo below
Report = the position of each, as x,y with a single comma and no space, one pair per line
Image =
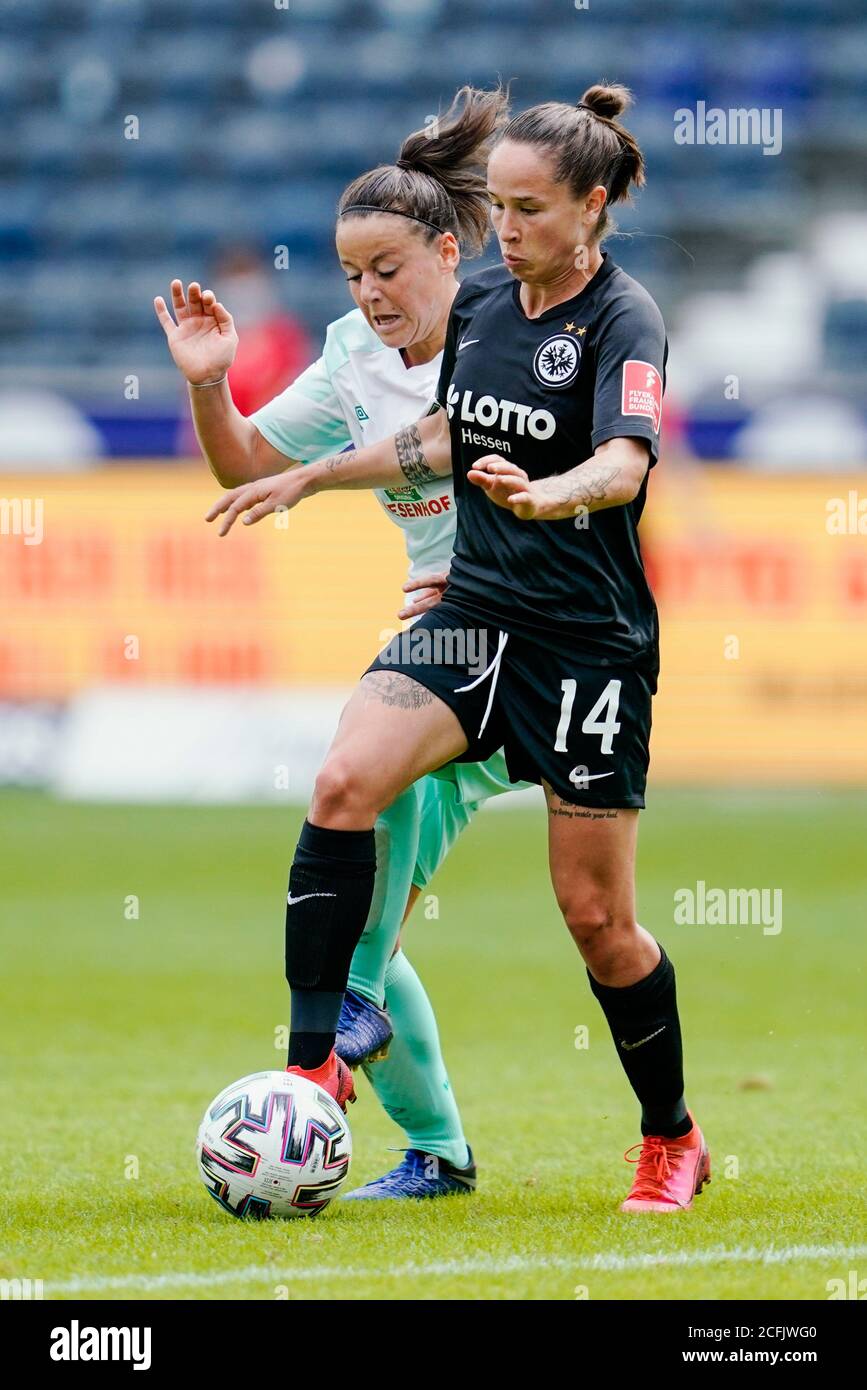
401,231
550,398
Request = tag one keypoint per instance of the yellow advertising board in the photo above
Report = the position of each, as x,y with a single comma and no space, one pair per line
761,584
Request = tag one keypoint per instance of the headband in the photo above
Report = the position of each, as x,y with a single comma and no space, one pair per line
372,207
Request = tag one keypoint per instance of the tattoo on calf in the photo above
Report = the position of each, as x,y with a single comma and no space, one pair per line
396,690
410,456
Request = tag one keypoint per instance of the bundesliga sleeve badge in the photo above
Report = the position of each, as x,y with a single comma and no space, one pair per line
642,391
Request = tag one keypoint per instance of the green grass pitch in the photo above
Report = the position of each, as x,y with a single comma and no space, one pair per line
117,1032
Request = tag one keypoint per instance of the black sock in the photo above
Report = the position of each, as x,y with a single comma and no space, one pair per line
646,1030
330,892
314,1017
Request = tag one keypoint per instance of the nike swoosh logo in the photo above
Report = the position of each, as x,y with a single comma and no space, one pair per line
588,776
304,896
630,1047
467,342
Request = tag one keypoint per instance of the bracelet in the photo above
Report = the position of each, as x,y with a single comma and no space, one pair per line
200,385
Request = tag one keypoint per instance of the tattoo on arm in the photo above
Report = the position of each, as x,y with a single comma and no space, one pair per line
587,489
410,456
594,484
337,460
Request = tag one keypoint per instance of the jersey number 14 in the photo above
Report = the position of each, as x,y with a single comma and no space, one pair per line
601,719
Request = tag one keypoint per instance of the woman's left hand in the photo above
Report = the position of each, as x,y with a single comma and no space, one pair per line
509,486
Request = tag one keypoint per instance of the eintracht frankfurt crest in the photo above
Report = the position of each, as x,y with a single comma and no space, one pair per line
557,361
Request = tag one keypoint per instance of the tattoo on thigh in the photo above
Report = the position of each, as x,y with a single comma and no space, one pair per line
410,456
396,690
558,807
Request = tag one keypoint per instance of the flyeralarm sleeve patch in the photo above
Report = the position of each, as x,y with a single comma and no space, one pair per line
642,391
630,353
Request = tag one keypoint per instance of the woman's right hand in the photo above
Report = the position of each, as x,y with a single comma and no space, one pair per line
203,341
426,591
261,497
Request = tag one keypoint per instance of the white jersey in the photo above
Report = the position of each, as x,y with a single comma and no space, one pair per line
359,392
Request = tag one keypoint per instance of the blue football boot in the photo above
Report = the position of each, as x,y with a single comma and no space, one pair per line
420,1175
363,1031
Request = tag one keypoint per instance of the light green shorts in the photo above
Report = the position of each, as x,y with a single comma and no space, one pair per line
447,801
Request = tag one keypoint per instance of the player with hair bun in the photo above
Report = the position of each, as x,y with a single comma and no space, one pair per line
401,231
550,401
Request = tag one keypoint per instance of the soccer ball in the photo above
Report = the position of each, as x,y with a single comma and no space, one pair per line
273,1144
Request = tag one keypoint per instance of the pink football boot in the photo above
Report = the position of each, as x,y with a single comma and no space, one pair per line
670,1172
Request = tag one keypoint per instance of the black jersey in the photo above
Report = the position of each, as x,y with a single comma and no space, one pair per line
544,393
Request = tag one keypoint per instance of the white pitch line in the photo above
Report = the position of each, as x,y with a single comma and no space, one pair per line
511,1264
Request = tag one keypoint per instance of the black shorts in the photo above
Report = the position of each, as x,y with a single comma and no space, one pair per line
585,730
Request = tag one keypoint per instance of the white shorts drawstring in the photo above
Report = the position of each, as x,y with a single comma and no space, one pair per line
492,666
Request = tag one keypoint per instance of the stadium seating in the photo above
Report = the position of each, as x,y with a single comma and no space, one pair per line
251,118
